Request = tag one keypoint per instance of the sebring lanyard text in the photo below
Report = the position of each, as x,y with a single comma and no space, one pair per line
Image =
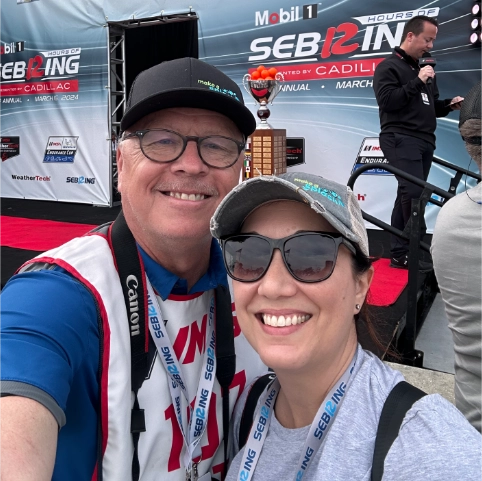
316,436
193,428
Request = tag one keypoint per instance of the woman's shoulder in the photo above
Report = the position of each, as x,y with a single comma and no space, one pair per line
374,376
434,413
435,442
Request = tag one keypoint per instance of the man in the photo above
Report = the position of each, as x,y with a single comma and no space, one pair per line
457,257
408,98
71,320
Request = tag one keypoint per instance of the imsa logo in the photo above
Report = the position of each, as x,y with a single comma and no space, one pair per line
371,153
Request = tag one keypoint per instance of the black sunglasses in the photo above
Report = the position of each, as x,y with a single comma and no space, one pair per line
308,256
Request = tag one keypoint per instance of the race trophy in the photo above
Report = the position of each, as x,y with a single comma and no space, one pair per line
266,150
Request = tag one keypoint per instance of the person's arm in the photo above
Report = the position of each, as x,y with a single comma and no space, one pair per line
48,322
28,440
445,106
390,94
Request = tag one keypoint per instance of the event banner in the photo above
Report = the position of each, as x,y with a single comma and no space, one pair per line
327,52
54,119
55,105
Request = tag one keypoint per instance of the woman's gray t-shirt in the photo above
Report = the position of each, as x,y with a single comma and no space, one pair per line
435,441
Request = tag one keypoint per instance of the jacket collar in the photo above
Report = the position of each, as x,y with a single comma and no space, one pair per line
399,52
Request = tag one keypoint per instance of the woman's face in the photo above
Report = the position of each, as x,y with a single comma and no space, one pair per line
327,308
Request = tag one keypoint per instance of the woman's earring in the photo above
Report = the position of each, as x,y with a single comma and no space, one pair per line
357,307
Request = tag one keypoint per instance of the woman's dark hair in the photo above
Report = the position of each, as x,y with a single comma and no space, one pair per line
364,320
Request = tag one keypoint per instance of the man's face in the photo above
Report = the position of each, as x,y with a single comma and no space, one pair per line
174,200
419,44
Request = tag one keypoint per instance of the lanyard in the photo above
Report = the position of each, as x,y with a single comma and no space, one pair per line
193,425
316,436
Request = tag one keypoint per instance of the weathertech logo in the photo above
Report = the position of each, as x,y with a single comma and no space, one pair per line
38,178
284,16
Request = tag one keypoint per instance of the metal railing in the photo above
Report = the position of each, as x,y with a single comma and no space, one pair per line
455,180
411,233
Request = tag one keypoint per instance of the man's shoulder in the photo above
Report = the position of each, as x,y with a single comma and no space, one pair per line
386,62
459,210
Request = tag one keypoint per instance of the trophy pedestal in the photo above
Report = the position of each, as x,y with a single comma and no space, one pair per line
266,153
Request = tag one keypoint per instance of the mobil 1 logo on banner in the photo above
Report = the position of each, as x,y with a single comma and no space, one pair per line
285,15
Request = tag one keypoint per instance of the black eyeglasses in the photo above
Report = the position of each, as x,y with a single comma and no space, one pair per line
162,145
308,256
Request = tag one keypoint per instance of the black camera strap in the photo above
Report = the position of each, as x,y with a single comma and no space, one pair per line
225,354
131,274
132,277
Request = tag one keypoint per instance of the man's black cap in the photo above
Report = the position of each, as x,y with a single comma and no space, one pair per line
187,82
471,105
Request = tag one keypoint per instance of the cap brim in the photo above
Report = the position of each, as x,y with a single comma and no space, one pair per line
193,98
246,197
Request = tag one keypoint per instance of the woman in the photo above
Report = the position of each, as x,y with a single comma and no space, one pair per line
297,249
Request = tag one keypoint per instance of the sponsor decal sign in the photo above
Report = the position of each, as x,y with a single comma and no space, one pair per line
371,153
10,147
295,151
61,149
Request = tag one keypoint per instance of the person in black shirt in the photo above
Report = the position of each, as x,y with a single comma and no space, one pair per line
409,103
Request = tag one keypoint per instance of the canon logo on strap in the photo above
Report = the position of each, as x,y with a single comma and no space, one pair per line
132,283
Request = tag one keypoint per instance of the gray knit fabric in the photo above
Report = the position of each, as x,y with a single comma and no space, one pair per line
435,442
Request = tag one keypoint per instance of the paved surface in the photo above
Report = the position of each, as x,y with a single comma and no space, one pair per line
429,381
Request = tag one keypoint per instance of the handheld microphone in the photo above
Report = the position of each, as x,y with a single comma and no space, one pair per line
427,59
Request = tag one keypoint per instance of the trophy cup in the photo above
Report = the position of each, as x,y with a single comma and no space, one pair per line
266,150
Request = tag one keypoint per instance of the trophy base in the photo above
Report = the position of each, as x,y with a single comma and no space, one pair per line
264,126
266,153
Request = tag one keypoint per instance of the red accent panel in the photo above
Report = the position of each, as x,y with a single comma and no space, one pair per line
94,476
196,339
184,297
180,342
177,440
219,468
362,67
39,88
